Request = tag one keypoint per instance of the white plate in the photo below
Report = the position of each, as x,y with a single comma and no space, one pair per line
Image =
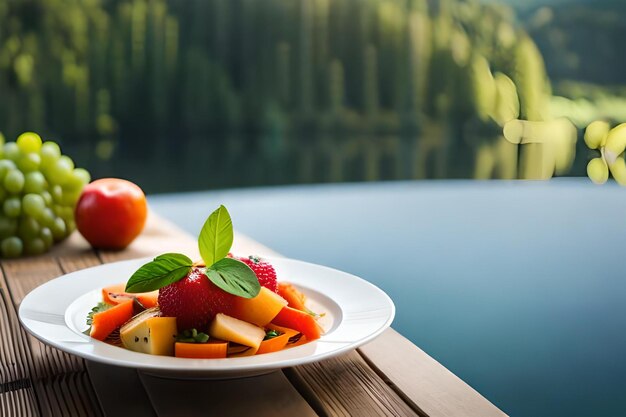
355,313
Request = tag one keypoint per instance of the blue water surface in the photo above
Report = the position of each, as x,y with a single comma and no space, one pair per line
519,288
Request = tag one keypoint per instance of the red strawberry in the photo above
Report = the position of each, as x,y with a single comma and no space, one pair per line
264,271
194,301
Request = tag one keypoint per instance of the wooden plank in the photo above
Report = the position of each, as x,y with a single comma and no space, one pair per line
59,380
22,276
423,381
17,395
11,366
347,386
260,396
77,261
18,403
25,274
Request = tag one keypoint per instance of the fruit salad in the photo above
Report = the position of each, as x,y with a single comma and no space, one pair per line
222,306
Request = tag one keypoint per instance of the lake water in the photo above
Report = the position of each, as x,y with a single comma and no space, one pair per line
519,288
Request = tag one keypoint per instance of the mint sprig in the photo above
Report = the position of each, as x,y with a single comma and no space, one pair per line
163,270
214,243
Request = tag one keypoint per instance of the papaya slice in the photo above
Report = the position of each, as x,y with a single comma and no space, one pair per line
213,349
276,343
259,310
298,320
295,298
115,294
103,323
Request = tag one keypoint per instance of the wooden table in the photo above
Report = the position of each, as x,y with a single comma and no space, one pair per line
388,376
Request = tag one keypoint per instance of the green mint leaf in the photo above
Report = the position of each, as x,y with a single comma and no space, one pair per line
216,236
163,270
234,277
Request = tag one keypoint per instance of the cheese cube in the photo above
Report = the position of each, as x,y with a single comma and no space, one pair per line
151,334
234,330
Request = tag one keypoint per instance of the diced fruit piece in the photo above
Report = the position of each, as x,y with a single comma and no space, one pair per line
259,310
295,298
274,344
234,330
263,270
105,322
194,300
148,332
298,320
213,349
115,294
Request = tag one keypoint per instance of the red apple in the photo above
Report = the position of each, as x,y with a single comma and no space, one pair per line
111,212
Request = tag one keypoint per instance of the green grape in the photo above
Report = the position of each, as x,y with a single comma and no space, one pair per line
11,247
35,182
79,178
50,153
64,212
70,197
2,140
29,142
11,151
46,235
60,172
3,194
47,217
47,197
68,161
6,165
70,225
8,227
14,181
29,162
12,207
83,175
35,246
597,171
57,193
33,205
28,228
58,229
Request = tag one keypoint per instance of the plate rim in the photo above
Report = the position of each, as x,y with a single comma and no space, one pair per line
236,368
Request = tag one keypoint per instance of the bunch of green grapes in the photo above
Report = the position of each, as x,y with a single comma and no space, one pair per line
39,188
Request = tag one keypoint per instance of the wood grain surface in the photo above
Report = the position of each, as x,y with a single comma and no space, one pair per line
37,380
